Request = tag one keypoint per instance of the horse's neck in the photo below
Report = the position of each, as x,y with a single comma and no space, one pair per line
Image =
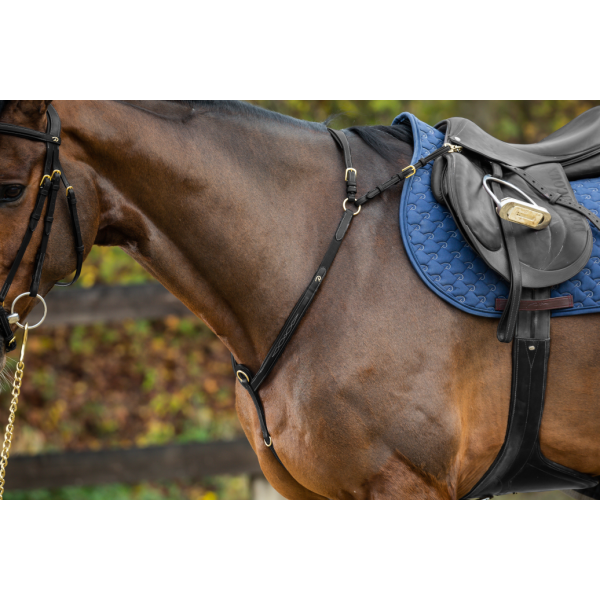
231,216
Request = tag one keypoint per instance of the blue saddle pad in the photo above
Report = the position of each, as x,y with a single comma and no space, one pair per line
450,267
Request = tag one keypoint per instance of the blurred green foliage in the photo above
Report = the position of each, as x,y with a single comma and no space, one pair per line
157,382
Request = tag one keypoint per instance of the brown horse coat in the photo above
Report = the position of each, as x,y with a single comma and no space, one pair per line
385,391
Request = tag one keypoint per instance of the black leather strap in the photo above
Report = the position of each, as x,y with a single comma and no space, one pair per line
33,223
49,187
404,174
30,134
520,465
564,199
252,383
508,322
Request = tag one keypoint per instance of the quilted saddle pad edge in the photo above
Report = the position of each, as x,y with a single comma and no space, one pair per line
450,267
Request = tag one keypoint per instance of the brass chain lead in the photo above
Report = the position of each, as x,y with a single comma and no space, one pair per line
12,414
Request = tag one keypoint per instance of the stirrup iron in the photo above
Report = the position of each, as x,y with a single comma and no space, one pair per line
516,211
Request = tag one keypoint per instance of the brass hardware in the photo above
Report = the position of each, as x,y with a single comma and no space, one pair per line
244,374
409,167
55,171
318,278
350,169
344,205
10,428
44,179
515,211
55,139
453,148
532,347
527,213
270,442
67,191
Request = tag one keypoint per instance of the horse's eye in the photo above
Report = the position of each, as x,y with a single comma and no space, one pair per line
11,192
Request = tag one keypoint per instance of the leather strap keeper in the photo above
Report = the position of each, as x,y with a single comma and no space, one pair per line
549,304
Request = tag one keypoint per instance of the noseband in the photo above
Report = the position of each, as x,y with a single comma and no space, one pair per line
49,187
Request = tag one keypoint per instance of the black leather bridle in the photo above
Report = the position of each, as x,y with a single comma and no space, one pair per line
352,206
48,189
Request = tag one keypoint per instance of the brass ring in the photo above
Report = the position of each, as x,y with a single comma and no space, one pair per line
270,442
244,374
12,310
344,205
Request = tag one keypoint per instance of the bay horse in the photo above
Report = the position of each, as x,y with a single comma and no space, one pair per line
385,391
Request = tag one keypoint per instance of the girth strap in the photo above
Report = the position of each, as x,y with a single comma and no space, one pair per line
520,465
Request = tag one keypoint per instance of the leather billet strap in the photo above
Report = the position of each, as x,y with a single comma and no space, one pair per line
49,188
251,383
532,305
508,321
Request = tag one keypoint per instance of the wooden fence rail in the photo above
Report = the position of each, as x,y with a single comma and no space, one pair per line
110,304
154,463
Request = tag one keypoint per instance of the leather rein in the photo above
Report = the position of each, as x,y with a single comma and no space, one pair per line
49,187
352,206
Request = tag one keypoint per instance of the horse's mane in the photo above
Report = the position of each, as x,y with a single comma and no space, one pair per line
245,109
384,138
381,138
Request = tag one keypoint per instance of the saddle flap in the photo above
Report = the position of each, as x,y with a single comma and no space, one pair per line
548,256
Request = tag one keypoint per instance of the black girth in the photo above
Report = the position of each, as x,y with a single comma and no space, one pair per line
49,187
352,205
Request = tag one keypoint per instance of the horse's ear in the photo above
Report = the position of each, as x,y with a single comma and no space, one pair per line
27,113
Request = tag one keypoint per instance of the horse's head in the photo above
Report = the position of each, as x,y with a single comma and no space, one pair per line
35,200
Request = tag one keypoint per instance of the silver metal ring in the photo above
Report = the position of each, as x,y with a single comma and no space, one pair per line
12,310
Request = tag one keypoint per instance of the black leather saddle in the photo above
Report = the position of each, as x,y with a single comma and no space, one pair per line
527,257
514,205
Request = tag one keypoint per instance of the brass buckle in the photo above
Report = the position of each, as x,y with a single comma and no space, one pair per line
453,148
350,169
413,171
67,191
244,374
344,205
49,176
